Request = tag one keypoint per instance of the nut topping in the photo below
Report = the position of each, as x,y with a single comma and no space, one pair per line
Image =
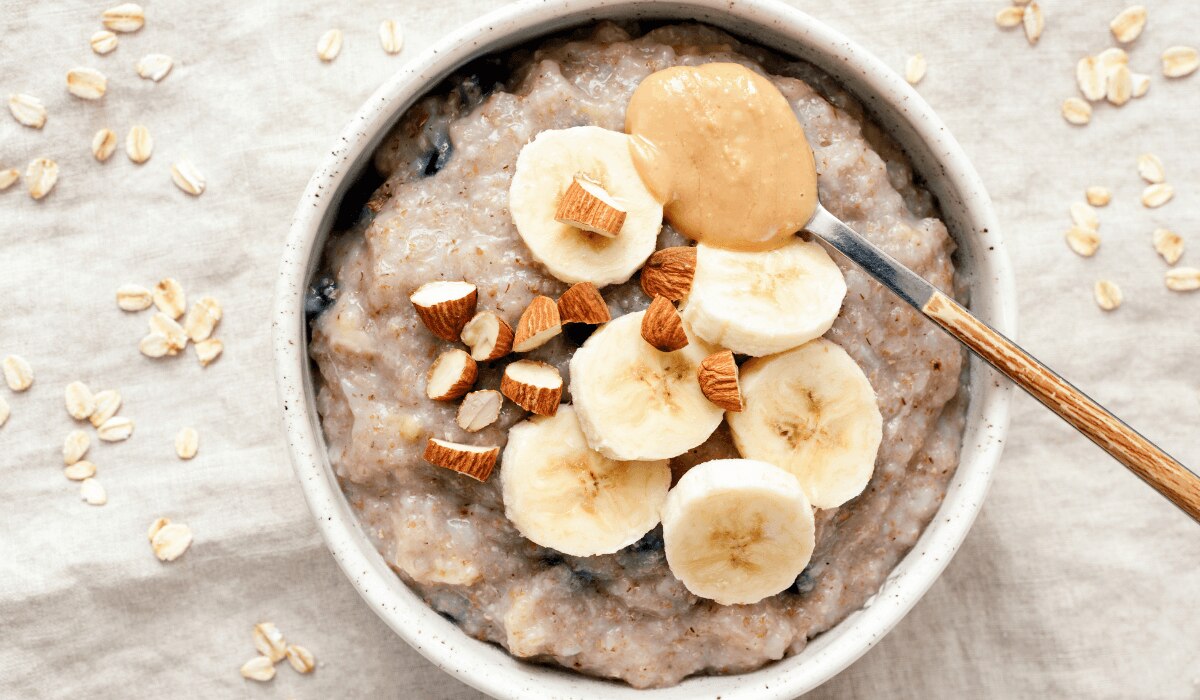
582,303
450,376
479,409
539,323
718,376
445,307
534,386
662,327
471,460
668,273
488,336
586,206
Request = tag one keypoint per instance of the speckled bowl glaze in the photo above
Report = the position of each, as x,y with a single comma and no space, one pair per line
982,262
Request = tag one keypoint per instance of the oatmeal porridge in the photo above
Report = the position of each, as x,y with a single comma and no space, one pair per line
444,210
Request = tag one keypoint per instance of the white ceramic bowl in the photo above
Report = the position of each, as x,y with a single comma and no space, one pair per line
892,103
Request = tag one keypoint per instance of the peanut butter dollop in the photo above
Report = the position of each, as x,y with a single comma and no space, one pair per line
720,147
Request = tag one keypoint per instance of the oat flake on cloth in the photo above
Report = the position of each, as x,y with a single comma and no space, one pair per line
1077,581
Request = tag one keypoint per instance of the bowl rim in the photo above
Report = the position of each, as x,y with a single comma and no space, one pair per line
487,667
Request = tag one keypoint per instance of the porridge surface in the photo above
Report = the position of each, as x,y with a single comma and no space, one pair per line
442,214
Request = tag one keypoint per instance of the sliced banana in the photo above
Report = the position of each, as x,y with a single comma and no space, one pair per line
636,402
563,495
813,412
761,303
546,168
737,530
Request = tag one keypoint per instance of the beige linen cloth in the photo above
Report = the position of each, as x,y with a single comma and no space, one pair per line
1076,580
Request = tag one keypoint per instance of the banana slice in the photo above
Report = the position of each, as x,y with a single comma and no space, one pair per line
636,402
737,530
563,495
765,302
546,168
813,412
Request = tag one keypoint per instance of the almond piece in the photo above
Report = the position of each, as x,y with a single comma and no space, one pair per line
534,386
668,273
539,323
445,307
718,375
582,303
451,375
479,409
471,460
662,327
488,336
586,206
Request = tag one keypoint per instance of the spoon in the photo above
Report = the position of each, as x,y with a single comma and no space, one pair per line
1162,472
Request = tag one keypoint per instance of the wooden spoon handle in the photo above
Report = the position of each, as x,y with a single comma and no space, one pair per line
1144,458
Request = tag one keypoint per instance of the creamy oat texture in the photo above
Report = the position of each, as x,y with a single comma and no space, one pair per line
442,214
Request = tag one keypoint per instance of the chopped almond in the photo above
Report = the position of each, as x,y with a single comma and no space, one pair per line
445,307
662,327
488,336
586,206
539,323
450,376
668,273
534,386
479,409
474,461
718,375
582,303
